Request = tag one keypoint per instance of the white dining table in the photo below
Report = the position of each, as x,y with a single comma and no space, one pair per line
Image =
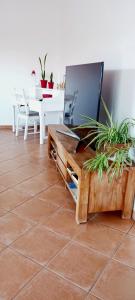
50,109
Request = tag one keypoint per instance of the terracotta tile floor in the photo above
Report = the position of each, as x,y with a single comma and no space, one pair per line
44,254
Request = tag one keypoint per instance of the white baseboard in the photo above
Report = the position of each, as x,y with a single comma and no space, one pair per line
6,127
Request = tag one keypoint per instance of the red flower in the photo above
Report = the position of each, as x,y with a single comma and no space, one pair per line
33,72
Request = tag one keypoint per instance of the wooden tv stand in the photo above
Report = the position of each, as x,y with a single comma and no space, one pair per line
89,192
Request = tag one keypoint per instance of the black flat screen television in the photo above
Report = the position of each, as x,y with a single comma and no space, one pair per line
83,86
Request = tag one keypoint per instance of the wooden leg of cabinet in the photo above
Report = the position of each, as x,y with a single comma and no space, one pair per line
49,145
81,214
129,196
82,201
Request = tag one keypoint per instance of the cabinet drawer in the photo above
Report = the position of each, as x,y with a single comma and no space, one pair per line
62,167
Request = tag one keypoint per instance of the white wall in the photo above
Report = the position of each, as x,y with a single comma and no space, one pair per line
72,32
103,30
28,29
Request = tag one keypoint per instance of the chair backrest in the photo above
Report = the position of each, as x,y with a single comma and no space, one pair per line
22,101
71,101
72,106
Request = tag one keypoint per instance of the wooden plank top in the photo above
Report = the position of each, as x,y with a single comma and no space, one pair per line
69,144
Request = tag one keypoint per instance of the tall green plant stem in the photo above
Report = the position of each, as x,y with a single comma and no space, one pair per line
42,66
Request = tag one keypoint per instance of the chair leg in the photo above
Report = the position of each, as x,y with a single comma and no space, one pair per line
61,118
26,129
45,130
35,126
17,126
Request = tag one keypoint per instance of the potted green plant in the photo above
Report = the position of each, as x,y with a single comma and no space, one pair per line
43,81
113,143
51,83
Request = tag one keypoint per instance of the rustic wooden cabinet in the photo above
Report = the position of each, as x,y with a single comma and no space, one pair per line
89,192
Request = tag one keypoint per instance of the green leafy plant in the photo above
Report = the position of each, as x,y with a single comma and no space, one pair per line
42,66
51,77
120,163
98,163
113,162
112,141
109,133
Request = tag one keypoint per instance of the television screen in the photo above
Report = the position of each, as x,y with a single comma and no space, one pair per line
83,85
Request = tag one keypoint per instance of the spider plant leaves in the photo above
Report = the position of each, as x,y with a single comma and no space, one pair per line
98,163
111,132
114,168
45,60
112,141
91,122
43,75
107,112
42,66
120,163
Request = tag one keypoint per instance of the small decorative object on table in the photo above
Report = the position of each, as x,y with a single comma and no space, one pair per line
34,78
51,83
33,73
42,65
61,86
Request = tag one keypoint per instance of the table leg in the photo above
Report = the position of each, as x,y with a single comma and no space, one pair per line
61,118
14,120
42,127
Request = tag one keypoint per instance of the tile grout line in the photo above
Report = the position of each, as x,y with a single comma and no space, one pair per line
111,259
24,180
25,256
100,275
12,170
66,279
59,253
45,267
30,197
62,276
123,263
125,232
98,298
33,226
27,283
29,230
28,219
12,209
70,241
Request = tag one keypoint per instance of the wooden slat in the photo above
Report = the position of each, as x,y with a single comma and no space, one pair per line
83,195
62,167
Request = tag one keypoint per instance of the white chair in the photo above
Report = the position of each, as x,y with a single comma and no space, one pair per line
24,113
71,101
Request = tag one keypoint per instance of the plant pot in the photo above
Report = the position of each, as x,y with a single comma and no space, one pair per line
43,83
112,147
50,85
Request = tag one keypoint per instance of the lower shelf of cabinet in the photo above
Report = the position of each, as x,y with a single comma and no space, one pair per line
73,191
53,155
